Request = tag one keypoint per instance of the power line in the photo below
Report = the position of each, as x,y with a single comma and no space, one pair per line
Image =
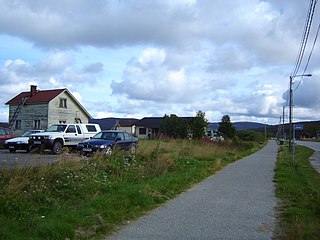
304,37
311,51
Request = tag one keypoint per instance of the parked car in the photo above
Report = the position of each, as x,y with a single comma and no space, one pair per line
106,141
217,137
58,136
5,134
21,143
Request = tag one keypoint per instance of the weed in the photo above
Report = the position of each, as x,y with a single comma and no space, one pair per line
84,198
298,188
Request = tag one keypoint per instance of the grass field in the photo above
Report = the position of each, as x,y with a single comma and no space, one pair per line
298,188
87,199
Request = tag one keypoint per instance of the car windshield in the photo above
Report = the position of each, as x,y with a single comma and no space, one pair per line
28,133
105,135
57,128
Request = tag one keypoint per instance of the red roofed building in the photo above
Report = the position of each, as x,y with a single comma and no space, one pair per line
37,109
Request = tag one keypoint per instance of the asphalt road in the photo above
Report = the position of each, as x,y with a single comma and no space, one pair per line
315,158
313,145
236,203
24,159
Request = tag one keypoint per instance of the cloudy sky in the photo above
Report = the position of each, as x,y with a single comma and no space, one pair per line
138,58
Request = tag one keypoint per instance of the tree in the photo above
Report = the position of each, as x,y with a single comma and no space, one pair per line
226,127
250,135
198,125
173,126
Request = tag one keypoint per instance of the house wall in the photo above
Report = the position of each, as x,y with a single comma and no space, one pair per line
145,132
139,134
127,129
27,116
68,114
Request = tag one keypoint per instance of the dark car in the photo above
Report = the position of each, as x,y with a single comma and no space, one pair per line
106,141
20,143
5,134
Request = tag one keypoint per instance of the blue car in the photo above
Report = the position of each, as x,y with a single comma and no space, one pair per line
106,141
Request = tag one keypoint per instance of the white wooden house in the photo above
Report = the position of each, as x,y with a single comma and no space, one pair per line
37,109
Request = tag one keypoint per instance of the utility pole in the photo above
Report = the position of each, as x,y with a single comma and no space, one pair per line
290,113
291,109
283,136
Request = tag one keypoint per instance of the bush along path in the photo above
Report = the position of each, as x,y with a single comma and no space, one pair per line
236,203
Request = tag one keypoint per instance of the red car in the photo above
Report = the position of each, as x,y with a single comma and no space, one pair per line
4,135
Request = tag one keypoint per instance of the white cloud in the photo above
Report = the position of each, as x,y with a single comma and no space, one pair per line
144,58
152,57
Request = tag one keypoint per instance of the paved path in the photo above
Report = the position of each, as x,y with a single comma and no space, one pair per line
236,203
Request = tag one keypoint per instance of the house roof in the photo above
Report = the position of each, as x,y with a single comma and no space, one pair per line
128,122
41,96
110,123
150,122
105,123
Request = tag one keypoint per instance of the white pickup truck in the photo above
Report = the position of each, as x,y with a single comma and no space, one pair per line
60,135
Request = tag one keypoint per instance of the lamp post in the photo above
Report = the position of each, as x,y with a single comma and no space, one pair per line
291,129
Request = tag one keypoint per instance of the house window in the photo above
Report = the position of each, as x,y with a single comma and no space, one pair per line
18,124
63,103
142,131
36,124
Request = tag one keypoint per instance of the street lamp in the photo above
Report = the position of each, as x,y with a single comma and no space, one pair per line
291,108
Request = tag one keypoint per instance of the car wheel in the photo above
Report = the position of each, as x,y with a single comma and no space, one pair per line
57,148
12,150
28,149
133,149
108,150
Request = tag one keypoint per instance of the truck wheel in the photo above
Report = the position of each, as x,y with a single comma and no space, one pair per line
57,148
12,150
29,148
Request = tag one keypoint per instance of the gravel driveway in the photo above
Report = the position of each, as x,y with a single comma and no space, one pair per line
24,159
236,203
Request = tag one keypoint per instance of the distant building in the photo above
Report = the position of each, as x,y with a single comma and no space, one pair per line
37,109
148,127
125,124
4,125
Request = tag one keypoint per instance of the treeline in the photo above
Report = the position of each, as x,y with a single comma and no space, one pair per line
184,127
195,128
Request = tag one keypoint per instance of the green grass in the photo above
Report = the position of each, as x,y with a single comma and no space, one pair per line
298,188
87,199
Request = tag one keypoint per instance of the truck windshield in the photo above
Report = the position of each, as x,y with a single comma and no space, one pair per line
56,128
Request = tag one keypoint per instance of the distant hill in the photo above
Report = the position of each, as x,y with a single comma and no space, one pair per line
241,125
310,128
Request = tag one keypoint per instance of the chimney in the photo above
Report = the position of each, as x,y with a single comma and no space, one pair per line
33,90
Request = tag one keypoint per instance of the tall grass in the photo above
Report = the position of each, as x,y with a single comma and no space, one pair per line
297,186
79,198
